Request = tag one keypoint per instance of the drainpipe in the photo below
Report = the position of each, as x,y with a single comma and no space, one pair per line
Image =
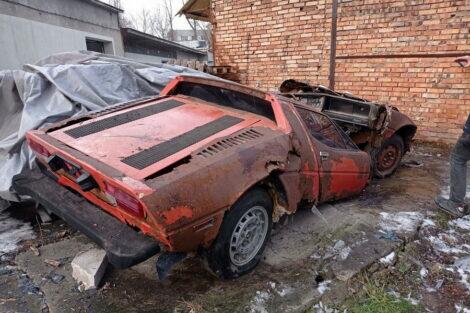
213,23
334,17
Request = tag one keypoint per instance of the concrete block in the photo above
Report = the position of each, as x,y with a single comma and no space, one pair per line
44,215
89,267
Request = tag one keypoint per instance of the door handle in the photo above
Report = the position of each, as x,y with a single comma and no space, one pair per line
324,155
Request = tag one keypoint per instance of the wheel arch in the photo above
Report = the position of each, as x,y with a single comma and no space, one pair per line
407,132
276,183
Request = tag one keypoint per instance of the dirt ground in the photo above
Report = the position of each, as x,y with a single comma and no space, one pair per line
388,250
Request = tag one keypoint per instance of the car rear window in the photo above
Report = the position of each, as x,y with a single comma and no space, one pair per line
229,98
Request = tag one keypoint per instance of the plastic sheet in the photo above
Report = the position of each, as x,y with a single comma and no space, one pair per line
65,85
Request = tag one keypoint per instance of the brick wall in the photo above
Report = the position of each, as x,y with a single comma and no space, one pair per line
398,52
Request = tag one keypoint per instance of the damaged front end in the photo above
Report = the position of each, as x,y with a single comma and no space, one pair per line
370,125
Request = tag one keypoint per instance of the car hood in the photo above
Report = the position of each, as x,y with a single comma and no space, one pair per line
142,140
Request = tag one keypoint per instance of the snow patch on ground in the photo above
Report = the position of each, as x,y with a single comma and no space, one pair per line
339,251
448,244
282,290
428,223
461,309
12,232
464,277
323,308
258,303
397,296
323,286
413,301
400,221
388,259
462,223
423,273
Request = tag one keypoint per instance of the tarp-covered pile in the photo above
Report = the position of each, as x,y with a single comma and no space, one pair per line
64,85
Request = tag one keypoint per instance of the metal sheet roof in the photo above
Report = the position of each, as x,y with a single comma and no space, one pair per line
159,40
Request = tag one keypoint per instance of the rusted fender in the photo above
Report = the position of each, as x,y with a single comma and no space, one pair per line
398,121
190,201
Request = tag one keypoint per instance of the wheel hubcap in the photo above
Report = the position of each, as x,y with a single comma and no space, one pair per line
248,235
388,157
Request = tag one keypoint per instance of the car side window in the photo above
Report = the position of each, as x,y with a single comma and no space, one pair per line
322,128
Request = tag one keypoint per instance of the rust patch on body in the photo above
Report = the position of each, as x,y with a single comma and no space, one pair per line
175,214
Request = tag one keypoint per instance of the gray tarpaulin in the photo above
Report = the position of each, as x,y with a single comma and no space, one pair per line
64,85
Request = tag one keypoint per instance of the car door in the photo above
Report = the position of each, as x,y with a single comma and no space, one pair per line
343,168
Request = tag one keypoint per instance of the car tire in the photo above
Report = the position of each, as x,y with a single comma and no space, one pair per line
388,157
242,236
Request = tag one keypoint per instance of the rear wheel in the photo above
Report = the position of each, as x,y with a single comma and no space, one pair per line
388,157
242,236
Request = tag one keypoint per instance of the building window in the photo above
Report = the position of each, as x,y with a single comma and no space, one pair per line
95,45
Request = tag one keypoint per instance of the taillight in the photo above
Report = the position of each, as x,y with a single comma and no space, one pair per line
39,149
125,201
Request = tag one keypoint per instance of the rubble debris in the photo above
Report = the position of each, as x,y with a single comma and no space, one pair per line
89,267
53,263
54,277
34,250
339,250
323,308
388,259
412,163
62,234
388,234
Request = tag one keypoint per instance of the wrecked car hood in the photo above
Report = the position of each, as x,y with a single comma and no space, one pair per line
140,141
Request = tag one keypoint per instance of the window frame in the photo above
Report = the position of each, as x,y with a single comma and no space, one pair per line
348,146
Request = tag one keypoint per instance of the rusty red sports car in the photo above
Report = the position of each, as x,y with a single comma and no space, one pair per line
205,167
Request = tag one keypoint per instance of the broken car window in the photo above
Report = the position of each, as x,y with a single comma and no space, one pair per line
323,129
228,98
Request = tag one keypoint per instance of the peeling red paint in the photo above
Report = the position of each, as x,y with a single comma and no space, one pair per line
349,177
175,214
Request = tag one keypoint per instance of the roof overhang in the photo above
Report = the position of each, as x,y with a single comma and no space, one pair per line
130,33
196,10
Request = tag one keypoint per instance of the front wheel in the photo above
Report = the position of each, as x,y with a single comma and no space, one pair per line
388,157
242,236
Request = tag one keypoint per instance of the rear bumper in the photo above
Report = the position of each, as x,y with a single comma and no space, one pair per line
123,245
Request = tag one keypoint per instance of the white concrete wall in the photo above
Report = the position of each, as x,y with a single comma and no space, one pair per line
26,41
144,57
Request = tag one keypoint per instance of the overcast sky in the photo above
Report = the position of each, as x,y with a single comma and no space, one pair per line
133,7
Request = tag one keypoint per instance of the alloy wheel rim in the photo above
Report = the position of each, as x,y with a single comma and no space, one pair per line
249,235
